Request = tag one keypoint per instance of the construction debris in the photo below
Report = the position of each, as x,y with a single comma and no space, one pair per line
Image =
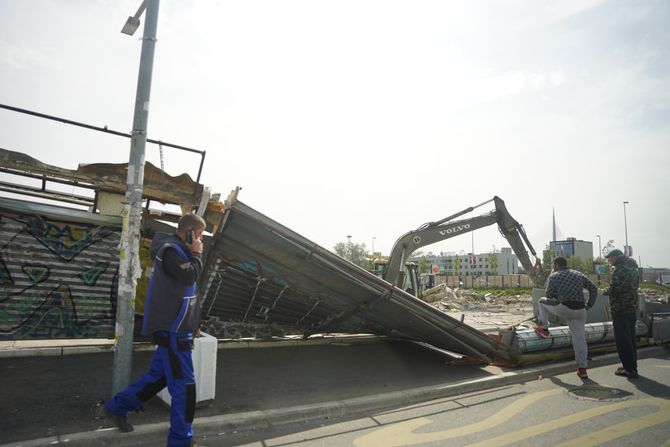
439,292
482,311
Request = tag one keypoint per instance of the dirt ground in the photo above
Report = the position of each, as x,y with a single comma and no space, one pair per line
486,312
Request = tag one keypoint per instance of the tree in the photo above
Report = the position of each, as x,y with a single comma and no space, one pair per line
493,263
457,265
547,257
354,253
424,265
581,265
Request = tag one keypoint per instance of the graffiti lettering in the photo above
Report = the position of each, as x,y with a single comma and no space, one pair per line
91,275
36,273
5,277
58,278
65,242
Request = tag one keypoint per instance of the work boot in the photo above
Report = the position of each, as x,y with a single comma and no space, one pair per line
625,373
121,422
542,332
582,374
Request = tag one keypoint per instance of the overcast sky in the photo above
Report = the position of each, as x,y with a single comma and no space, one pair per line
370,117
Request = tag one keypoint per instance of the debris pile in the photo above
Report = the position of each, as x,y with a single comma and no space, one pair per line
481,310
439,292
448,299
655,295
496,311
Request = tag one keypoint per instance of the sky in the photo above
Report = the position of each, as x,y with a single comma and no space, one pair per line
368,118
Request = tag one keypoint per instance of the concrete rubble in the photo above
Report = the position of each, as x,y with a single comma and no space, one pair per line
484,311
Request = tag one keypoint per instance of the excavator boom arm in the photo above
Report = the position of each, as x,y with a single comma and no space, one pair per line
516,236
444,229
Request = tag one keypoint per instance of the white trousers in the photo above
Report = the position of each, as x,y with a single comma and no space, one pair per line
576,319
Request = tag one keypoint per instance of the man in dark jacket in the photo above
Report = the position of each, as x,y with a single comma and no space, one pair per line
172,318
565,297
624,306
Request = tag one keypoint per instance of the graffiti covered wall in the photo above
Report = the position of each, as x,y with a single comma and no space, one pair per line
58,272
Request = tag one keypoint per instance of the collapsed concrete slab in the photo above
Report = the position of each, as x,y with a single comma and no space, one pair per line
261,277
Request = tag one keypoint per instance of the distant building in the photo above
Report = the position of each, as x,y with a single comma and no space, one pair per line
475,264
572,247
658,275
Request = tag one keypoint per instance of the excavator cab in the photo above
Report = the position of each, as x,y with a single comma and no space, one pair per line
409,280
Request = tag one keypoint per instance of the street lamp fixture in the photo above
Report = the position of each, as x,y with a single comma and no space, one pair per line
133,22
626,248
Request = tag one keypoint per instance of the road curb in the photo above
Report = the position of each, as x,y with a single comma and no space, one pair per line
218,425
73,347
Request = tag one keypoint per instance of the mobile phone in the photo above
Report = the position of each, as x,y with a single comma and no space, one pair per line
189,237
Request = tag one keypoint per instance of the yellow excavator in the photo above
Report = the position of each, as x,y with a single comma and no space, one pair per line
403,274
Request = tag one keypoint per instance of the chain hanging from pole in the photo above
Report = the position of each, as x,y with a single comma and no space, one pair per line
160,150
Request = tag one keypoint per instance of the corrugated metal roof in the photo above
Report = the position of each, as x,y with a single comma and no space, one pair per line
261,275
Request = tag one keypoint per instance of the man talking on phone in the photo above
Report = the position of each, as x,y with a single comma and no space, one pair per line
172,318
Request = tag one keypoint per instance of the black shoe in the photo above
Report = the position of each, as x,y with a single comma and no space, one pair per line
625,373
121,422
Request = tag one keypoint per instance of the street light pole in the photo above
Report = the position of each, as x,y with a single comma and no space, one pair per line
129,261
600,249
626,249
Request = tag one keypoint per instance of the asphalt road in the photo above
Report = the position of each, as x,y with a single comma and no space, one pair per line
345,389
605,410
53,396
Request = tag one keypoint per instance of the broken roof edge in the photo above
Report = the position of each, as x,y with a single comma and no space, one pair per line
59,212
110,177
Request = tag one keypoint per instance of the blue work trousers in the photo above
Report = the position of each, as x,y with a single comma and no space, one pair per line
171,365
